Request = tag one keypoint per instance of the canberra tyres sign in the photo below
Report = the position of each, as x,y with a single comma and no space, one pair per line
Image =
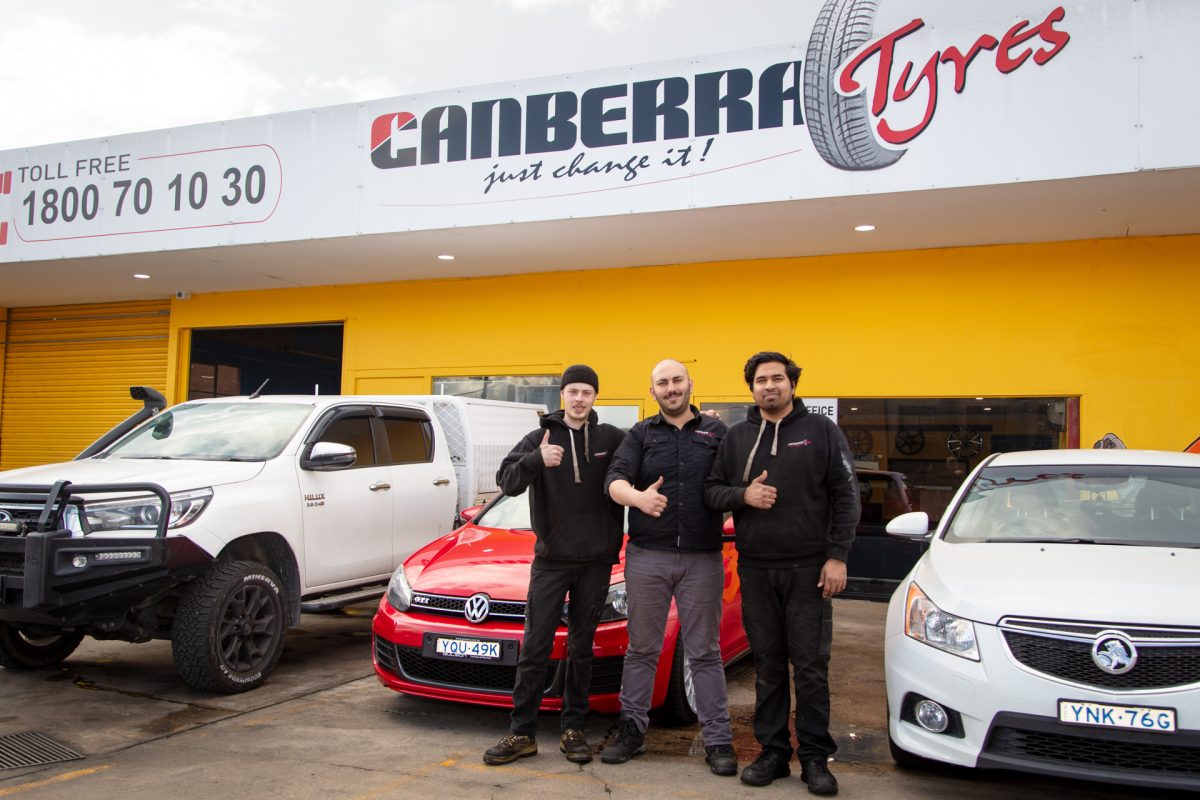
870,96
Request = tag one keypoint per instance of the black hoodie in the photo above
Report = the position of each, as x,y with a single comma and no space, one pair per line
573,519
808,460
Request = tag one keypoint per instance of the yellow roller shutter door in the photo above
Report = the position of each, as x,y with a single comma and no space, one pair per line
67,373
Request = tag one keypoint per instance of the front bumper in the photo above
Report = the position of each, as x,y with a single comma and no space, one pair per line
1009,717
400,665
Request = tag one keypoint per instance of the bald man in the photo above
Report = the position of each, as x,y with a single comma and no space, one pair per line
674,551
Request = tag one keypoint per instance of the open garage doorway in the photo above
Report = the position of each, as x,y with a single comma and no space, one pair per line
298,359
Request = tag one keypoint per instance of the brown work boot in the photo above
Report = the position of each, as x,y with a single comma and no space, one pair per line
575,746
511,747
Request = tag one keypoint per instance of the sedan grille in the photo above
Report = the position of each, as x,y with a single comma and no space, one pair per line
455,606
1166,657
1158,757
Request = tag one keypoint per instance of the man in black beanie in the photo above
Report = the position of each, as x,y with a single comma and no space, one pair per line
562,465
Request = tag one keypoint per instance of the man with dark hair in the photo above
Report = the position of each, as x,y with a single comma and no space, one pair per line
562,465
674,551
788,477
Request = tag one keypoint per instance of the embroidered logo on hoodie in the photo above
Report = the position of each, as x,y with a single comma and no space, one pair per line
801,443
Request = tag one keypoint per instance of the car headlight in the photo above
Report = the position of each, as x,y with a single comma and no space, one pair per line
140,513
616,605
927,623
399,593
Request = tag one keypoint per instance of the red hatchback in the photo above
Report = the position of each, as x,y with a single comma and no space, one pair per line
451,624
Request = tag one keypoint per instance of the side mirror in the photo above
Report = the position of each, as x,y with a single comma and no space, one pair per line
727,530
326,456
468,514
913,525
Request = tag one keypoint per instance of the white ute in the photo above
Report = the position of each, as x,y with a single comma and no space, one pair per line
213,523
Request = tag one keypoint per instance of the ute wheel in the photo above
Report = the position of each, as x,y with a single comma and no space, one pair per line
228,630
680,706
25,649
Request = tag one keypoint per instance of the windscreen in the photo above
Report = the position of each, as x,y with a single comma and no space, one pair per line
214,432
1096,504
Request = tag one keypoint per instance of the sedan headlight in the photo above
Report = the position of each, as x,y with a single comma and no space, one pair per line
136,513
399,593
616,605
927,623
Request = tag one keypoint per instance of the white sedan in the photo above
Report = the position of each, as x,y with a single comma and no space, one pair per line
1053,625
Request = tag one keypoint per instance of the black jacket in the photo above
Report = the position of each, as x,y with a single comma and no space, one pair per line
683,457
808,460
573,519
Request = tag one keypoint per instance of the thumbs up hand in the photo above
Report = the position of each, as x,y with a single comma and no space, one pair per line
650,502
759,494
552,454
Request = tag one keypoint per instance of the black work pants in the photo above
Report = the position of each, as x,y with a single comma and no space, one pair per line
587,587
787,621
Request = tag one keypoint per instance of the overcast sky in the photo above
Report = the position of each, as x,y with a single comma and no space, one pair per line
79,69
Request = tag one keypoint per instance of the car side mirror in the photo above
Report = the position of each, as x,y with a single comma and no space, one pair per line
913,525
727,534
469,514
327,456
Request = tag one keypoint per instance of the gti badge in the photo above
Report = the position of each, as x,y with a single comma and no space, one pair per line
477,607
1114,653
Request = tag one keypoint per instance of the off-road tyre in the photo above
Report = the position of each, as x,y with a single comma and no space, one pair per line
229,627
679,707
840,126
21,649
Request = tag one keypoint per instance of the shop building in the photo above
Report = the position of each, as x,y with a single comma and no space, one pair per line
1031,173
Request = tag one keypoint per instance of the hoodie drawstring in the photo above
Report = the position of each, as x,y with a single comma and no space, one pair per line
753,450
762,427
574,457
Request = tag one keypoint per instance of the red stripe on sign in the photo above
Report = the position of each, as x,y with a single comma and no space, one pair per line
3,233
7,183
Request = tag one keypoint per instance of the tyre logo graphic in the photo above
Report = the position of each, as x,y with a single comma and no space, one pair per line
840,126
477,608
1114,653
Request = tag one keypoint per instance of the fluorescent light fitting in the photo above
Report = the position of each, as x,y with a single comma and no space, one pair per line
140,276
445,257
864,228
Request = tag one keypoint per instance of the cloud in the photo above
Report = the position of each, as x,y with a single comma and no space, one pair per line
118,82
608,15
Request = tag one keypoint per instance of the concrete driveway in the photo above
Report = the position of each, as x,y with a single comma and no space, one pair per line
323,727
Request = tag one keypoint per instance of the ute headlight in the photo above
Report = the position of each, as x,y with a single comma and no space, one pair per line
927,623
140,513
616,605
399,593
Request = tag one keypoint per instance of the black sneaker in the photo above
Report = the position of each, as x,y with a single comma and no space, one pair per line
630,742
769,765
575,746
815,772
721,759
510,748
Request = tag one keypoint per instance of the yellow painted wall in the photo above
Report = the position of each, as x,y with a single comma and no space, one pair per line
1112,321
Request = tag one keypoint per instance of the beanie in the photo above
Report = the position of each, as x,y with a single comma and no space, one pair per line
580,373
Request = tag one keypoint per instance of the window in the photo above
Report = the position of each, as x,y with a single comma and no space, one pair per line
355,432
515,388
213,380
409,440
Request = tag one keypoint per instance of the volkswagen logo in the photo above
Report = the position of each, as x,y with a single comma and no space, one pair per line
1114,653
477,607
